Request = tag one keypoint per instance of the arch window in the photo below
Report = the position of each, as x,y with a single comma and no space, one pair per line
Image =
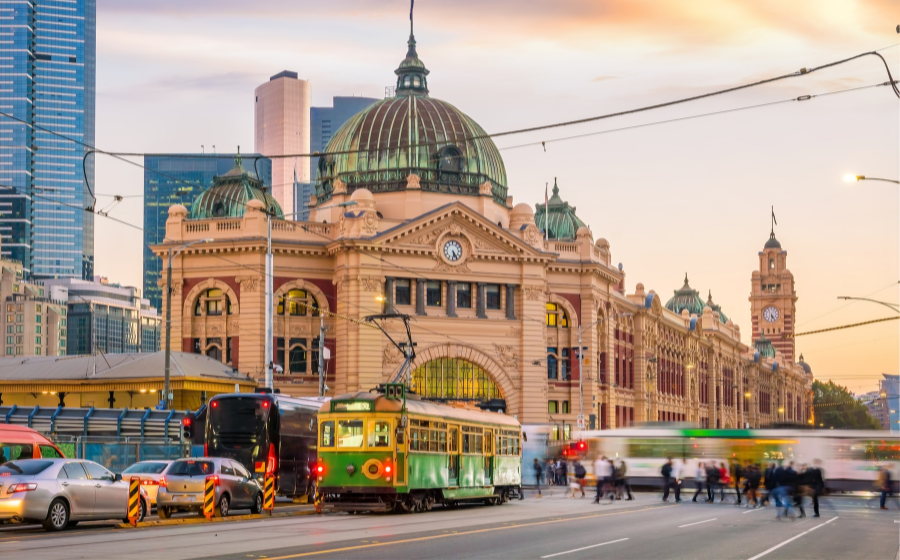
454,380
450,158
215,301
556,317
771,264
298,303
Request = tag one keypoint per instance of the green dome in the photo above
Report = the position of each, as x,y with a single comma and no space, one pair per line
230,193
686,298
411,133
717,309
764,346
557,217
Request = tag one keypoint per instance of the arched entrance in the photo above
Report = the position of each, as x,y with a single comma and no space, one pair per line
456,379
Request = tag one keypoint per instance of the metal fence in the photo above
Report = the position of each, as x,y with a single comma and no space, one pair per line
117,454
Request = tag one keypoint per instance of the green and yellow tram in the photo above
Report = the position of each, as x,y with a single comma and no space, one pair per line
394,452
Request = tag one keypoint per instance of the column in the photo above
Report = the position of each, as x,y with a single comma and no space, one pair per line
388,304
451,298
420,296
511,302
479,304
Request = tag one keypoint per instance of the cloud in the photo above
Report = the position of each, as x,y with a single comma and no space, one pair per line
604,78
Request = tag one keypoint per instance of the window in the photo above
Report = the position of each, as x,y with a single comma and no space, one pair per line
50,452
402,292
10,351
239,470
564,362
146,468
10,318
37,319
37,308
456,379
9,329
771,263
565,407
20,318
433,293
492,296
553,407
350,433
217,303
226,469
191,467
428,436
299,303
326,431
464,295
380,434
97,472
10,308
10,340
556,316
37,329
552,368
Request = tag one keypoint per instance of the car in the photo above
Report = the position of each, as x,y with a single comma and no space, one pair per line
58,493
149,472
20,442
181,487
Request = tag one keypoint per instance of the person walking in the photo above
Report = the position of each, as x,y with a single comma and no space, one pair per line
816,481
736,476
884,485
670,472
699,479
603,472
753,479
562,470
769,482
576,477
712,481
538,476
622,480
782,492
550,469
724,481
796,492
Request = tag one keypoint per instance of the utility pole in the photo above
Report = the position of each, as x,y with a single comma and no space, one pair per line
322,354
269,304
580,419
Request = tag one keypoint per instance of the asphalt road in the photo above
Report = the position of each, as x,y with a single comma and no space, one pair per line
551,527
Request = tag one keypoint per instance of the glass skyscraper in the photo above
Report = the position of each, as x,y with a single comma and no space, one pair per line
178,179
47,79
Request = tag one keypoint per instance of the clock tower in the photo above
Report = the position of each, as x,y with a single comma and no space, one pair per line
773,300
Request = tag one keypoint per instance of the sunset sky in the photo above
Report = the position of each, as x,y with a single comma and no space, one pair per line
692,196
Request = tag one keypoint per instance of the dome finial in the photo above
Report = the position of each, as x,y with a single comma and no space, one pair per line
238,160
686,285
555,188
411,74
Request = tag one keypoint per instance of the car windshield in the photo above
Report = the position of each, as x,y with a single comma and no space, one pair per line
191,468
27,467
146,468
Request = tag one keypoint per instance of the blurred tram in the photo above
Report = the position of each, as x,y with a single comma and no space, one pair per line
850,458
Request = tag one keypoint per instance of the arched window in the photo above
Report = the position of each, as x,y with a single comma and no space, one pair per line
216,301
298,303
450,158
454,380
772,264
556,316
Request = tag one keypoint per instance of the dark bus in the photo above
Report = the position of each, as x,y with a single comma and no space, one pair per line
268,434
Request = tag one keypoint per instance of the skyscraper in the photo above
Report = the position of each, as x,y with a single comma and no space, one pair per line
178,179
281,121
324,122
48,80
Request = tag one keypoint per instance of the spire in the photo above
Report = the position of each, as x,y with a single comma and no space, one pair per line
411,72
555,188
686,285
709,300
238,160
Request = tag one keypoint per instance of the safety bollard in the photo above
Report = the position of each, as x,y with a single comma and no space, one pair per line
134,501
269,494
209,496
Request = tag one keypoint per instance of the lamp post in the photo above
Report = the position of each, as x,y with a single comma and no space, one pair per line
167,396
853,178
892,306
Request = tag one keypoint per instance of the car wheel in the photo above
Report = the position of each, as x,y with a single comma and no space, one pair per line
163,512
142,511
57,516
222,507
257,504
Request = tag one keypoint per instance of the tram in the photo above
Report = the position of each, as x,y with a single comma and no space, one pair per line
392,451
850,459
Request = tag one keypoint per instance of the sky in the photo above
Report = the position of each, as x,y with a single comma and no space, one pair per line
692,196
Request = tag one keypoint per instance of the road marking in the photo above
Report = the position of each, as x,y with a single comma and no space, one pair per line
698,523
777,546
473,532
752,510
582,548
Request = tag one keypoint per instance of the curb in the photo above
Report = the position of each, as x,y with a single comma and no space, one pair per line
199,520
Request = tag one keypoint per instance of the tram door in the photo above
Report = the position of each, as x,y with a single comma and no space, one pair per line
453,455
488,457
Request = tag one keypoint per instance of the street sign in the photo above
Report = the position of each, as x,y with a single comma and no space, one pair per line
580,422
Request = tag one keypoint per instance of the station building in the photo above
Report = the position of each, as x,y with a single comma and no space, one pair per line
412,214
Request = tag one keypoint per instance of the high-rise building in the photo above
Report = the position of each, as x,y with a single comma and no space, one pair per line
178,179
48,81
281,121
35,316
324,122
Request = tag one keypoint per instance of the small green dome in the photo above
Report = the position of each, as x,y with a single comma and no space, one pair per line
230,193
717,309
764,346
557,217
686,298
411,133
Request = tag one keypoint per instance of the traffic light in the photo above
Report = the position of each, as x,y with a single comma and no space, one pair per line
581,446
187,427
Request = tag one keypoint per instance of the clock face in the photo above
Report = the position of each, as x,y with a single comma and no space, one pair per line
770,314
452,250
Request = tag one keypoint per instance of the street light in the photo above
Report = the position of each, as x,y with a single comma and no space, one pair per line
892,306
855,178
167,396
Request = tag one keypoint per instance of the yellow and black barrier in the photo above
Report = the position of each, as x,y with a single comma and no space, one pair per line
269,494
209,497
134,501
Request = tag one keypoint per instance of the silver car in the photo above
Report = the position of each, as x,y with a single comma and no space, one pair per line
182,484
61,492
149,472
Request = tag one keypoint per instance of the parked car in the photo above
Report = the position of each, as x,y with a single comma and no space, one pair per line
58,493
21,442
181,487
149,472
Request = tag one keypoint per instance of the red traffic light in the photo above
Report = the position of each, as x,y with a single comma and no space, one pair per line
187,421
582,446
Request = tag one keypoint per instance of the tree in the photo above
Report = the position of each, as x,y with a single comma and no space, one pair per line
836,407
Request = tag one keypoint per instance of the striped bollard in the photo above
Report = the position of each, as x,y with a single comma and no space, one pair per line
134,501
269,494
209,497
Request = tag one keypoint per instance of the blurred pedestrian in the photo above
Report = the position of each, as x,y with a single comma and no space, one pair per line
816,481
712,481
621,477
562,470
724,481
550,469
577,474
671,472
769,483
782,492
884,485
538,476
752,486
602,472
699,478
736,476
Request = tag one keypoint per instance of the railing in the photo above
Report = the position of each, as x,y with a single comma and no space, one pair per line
566,247
117,454
229,225
193,227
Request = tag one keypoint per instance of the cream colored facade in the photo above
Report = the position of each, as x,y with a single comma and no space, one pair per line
281,123
528,297
32,323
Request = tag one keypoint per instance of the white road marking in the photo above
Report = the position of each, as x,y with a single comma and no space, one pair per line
582,548
777,546
752,510
697,523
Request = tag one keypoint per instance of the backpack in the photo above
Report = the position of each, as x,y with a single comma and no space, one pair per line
666,470
579,471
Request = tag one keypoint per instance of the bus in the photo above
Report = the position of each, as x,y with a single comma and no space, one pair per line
270,434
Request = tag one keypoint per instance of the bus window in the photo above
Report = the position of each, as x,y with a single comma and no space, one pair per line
380,434
50,452
327,437
350,433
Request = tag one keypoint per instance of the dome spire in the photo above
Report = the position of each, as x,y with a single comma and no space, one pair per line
411,72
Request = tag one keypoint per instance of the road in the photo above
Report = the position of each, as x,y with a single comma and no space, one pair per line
550,527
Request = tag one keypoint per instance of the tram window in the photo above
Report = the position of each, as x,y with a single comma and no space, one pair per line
442,442
454,440
655,448
380,434
488,441
350,433
327,437
465,439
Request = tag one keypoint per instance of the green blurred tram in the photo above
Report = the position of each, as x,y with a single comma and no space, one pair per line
394,452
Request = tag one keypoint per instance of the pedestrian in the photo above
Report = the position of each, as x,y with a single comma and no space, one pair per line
782,492
699,478
794,481
551,473
816,481
769,483
602,471
538,475
562,469
884,485
577,477
724,481
736,476
712,481
670,472
754,476
622,480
